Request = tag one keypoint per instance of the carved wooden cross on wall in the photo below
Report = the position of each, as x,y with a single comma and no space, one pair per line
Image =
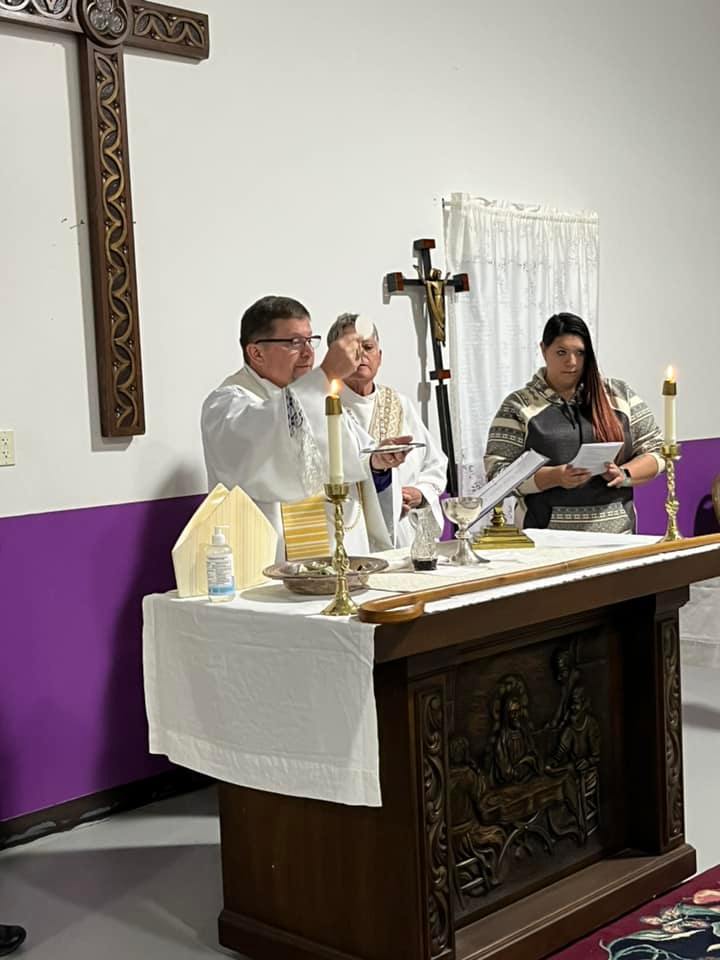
435,286
105,27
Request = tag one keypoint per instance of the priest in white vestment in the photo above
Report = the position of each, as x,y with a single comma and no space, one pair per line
385,413
264,430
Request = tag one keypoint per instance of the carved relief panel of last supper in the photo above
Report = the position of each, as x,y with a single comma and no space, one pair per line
530,750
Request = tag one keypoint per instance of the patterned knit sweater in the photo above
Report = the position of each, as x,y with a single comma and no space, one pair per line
537,418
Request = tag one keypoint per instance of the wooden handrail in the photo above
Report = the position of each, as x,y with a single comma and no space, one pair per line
401,608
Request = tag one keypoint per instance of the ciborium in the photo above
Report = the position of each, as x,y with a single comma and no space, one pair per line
463,511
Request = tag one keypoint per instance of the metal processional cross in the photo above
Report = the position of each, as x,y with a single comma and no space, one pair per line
435,287
104,28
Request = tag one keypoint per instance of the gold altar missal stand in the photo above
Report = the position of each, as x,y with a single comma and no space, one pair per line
500,535
531,776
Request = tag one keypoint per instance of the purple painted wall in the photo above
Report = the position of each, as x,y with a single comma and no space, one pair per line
695,472
72,715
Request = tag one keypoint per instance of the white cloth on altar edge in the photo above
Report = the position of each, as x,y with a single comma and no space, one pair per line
262,701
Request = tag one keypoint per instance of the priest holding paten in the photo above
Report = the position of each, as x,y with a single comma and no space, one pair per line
265,430
383,412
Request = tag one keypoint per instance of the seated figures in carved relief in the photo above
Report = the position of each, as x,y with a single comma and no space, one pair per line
475,847
513,755
578,751
568,676
539,786
579,744
522,788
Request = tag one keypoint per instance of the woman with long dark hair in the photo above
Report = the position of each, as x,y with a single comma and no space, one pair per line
568,403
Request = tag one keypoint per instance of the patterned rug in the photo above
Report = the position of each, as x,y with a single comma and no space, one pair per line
681,925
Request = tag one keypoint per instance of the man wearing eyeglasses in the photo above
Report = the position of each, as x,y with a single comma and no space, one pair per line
381,411
264,430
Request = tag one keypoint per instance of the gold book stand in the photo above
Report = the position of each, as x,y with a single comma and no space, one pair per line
501,535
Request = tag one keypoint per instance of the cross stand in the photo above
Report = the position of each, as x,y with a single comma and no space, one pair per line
435,285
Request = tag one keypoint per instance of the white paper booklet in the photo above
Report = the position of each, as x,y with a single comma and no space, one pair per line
594,456
504,483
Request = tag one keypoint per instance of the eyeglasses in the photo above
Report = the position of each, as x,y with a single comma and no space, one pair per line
294,343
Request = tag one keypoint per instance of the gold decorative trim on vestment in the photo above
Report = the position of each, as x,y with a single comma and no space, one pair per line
387,419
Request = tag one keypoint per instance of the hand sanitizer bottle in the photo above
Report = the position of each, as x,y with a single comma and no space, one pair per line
220,572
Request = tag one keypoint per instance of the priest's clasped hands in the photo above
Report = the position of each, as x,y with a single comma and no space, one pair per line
341,361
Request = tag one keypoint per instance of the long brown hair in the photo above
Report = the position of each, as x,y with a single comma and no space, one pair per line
606,425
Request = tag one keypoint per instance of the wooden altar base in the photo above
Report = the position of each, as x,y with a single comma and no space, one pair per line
543,923
531,774
550,919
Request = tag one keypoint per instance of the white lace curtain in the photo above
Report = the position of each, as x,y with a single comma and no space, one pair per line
524,263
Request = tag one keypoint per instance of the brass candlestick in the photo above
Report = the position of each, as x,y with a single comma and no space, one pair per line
341,605
500,535
671,453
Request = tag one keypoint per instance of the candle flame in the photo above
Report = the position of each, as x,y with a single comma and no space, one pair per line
670,375
334,388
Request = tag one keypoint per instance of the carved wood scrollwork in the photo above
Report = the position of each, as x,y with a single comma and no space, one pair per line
431,710
158,26
44,9
116,304
673,730
106,22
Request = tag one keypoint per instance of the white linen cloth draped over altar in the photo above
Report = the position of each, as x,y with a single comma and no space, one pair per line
265,693
524,263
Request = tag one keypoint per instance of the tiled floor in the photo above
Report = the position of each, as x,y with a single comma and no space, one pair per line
144,884
147,884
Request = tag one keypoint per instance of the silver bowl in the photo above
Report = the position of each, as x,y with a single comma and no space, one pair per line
315,576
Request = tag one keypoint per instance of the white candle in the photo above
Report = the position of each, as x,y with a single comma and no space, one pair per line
669,393
333,411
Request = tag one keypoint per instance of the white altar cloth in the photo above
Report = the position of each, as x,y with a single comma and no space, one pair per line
264,692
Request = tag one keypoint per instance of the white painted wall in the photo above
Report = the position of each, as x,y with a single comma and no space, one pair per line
304,157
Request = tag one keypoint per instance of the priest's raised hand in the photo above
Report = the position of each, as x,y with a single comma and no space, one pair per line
343,357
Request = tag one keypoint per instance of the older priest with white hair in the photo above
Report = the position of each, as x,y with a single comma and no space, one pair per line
385,413
264,430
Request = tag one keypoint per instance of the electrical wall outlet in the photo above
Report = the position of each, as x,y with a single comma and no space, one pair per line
7,448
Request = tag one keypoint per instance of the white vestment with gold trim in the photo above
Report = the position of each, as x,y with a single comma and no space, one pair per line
272,443
386,413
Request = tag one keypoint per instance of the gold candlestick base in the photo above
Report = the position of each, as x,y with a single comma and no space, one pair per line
671,453
341,605
500,535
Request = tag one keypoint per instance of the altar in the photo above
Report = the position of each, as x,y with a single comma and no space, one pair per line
492,779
